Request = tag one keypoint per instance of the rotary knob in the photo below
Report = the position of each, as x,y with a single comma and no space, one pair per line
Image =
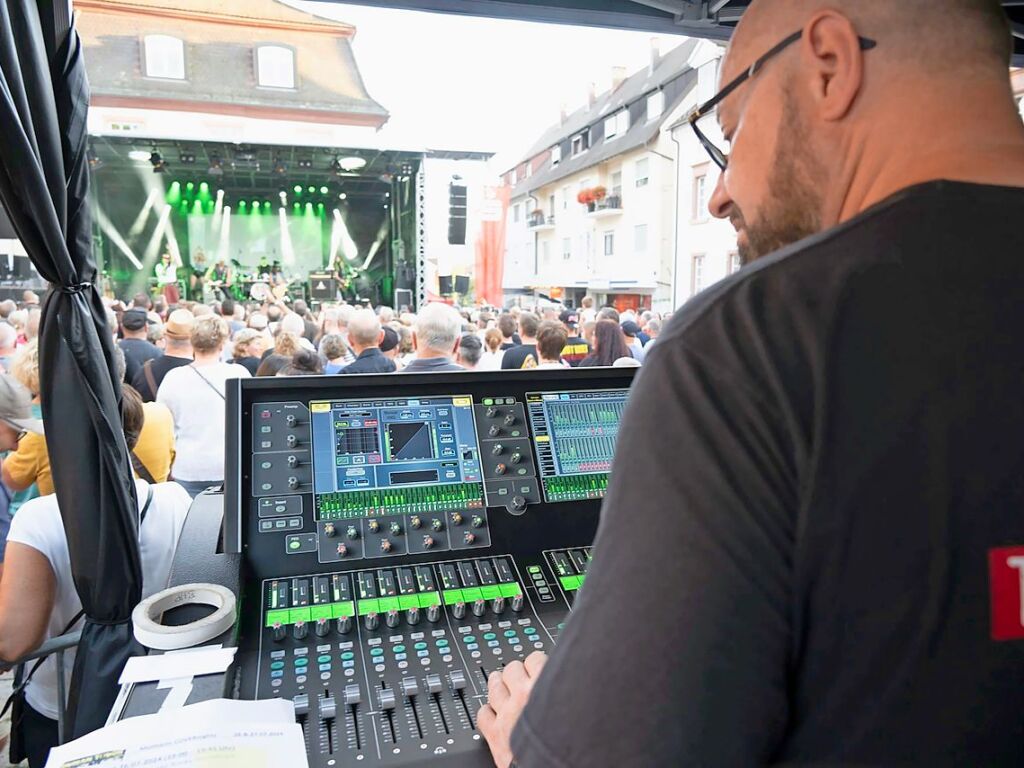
477,521
289,420
291,441
413,616
498,449
492,412
373,525
498,605
396,529
515,458
386,545
293,483
280,633
415,521
293,461
352,532
494,431
517,603
344,625
392,619
479,607
433,614
469,538
518,503
329,530
456,518
500,469
459,610
371,621
437,524
322,627
342,549
510,420
300,630
428,542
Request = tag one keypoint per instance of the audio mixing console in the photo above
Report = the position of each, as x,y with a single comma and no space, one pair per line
403,537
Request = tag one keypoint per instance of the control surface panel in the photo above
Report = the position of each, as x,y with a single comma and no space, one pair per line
405,536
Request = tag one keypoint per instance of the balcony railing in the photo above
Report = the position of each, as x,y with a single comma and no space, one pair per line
608,206
540,221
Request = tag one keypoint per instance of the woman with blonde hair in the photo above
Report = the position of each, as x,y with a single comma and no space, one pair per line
26,470
491,358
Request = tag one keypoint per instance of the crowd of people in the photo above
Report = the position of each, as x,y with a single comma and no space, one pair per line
174,361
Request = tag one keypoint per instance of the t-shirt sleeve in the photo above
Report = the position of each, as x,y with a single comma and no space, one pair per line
38,525
676,652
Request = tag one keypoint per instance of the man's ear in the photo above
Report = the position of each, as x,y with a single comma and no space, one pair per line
415,342
455,349
380,338
834,62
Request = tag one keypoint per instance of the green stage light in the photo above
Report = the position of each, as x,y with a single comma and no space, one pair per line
309,208
312,189
266,204
204,187
297,189
296,206
324,190
320,207
197,207
174,193
241,204
190,186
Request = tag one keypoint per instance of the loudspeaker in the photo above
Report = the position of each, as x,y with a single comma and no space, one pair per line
322,286
444,285
403,300
456,214
462,284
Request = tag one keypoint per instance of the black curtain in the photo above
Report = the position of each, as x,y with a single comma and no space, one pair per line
44,183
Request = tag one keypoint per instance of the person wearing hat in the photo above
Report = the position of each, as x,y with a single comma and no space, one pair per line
390,344
365,336
136,347
632,331
576,347
177,352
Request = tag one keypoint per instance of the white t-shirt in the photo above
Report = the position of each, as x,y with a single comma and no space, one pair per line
195,397
38,525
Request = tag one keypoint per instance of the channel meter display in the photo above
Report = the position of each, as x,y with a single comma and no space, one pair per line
394,456
574,434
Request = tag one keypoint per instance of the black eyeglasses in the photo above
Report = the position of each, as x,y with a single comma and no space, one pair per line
720,158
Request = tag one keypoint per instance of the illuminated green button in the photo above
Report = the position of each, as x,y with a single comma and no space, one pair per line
490,636
420,646
468,639
294,544
301,661
488,401
277,665
277,617
323,659
376,651
399,649
530,630
347,656
510,633
442,643
534,569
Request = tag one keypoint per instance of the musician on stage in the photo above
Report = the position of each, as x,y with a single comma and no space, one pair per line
197,276
220,279
167,279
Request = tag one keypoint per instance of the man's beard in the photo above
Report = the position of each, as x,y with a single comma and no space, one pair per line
792,210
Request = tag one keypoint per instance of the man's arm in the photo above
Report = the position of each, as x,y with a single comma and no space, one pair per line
26,600
678,647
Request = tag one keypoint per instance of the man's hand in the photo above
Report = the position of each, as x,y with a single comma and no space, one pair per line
507,693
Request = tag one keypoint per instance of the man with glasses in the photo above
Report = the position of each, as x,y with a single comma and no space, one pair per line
812,546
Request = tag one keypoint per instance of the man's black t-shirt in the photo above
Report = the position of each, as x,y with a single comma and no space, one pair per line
522,356
158,368
136,353
820,462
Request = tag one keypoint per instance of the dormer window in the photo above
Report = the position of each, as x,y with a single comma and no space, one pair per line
556,154
164,57
617,124
655,105
581,142
275,66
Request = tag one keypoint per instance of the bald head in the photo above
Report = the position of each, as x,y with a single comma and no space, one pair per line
868,98
364,329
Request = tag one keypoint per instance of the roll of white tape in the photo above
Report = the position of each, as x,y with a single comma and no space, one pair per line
152,634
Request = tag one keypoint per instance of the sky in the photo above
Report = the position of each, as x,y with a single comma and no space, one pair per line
475,84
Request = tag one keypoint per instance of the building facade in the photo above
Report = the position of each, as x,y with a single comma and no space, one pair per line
593,204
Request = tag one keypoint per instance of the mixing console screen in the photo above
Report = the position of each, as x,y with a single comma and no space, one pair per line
396,455
574,433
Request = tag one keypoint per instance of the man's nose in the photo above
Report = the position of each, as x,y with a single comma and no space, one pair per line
720,203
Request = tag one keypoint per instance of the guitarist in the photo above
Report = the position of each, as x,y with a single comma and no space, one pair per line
220,279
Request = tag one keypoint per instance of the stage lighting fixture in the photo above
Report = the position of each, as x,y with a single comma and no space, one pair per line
296,206
351,163
190,186
157,161
187,158
279,167
266,205
342,196
320,206
216,166
312,189
138,155
297,189
204,187
306,163
324,190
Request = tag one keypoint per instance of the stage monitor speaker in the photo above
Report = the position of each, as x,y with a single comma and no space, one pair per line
322,286
403,300
462,284
444,285
456,214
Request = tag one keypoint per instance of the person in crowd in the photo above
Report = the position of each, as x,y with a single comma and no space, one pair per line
304,362
436,339
587,332
310,328
490,359
153,454
8,341
26,471
35,316
155,333
389,344
258,322
576,347
18,319
386,314
471,349
272,365
228,309
609,345
38,598
508,326
831,440
523,355
587,312
609,313
632,332
333,349
137,350
17,419
177,353
29,299
653,329
551,342
195,395
366,335
405,349
247,349
6,307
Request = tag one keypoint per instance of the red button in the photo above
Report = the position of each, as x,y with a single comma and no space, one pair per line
1006,585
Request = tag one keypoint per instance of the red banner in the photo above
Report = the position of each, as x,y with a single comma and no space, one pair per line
490,247
1006,584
